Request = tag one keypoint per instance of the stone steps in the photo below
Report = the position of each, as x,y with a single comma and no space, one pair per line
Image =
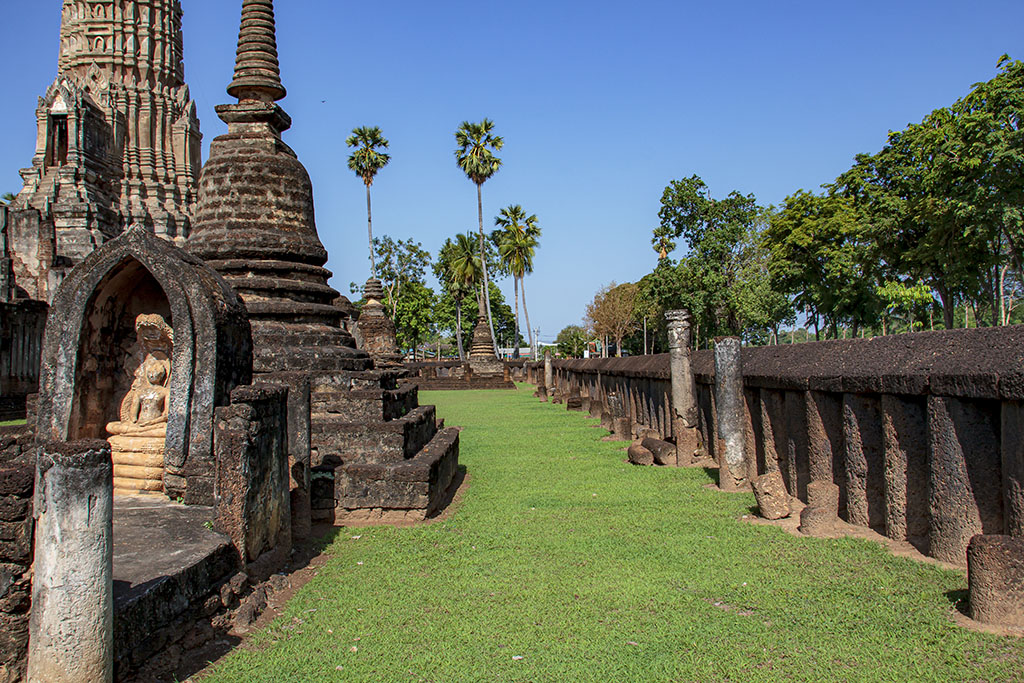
395,492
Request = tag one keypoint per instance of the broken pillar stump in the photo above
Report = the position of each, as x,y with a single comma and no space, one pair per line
995,579
821,515
71,628
771,495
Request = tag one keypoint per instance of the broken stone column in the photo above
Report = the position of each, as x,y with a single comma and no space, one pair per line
771,495
729,404
549,380
71,627
820,517
640,455
995,579
684,389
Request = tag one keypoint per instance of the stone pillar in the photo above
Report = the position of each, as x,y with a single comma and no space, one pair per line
71,627
729,403
549,380
684,389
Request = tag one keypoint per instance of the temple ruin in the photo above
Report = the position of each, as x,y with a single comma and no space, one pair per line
118,141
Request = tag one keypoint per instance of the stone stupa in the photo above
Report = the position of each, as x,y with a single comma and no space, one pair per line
376,452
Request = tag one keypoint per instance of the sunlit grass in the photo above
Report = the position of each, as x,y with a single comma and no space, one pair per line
563,563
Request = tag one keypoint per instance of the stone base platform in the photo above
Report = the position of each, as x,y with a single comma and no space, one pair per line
460,383
166,563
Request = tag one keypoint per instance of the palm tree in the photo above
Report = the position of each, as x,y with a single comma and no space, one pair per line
475,156
8,197
517,240
458,269
366,161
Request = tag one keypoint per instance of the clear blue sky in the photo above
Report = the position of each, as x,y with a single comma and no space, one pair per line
601,104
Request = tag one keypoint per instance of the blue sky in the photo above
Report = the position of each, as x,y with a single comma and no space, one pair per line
601,104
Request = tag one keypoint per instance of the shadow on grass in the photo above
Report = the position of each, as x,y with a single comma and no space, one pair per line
960,599
712,473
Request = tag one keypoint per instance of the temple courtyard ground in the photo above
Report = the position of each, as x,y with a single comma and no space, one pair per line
561,562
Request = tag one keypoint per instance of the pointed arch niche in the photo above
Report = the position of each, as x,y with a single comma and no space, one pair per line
91,330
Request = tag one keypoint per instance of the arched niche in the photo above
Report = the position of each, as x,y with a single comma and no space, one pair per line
91,320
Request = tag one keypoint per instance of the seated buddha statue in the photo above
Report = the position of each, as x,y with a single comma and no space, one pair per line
144,409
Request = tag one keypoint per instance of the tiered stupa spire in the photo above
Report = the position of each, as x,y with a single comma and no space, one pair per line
257,72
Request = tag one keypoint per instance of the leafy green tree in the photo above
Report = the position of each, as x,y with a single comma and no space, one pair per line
822,253
399,263
722,277
365,162
477,144
572,341
904,299
8,197
517,241
414,315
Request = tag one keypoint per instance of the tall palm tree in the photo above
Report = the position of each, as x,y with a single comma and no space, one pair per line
458,269
365,162
475,156
517,240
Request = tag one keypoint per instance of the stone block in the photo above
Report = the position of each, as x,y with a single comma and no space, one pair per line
771,495
995,578
622,429
638,455
664,452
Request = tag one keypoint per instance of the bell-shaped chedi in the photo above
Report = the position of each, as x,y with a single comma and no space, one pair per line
255,223
375,327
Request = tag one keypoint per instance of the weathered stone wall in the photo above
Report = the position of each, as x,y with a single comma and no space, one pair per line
16,485
922,433
21,340
251,445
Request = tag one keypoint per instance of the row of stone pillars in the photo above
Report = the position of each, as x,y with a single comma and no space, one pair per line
729,423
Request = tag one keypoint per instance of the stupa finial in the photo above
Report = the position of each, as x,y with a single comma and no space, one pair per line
257,73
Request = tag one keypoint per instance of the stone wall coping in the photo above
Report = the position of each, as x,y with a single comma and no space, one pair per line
979,363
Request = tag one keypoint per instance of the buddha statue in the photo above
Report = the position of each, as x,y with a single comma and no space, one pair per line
137,438
146,404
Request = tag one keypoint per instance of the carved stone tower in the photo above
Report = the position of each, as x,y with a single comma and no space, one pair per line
118,141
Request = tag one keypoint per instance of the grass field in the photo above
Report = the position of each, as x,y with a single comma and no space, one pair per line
563,563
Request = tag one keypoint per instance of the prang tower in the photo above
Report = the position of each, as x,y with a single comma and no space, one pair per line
118,141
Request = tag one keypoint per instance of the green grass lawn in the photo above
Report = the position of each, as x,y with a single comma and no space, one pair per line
564,563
